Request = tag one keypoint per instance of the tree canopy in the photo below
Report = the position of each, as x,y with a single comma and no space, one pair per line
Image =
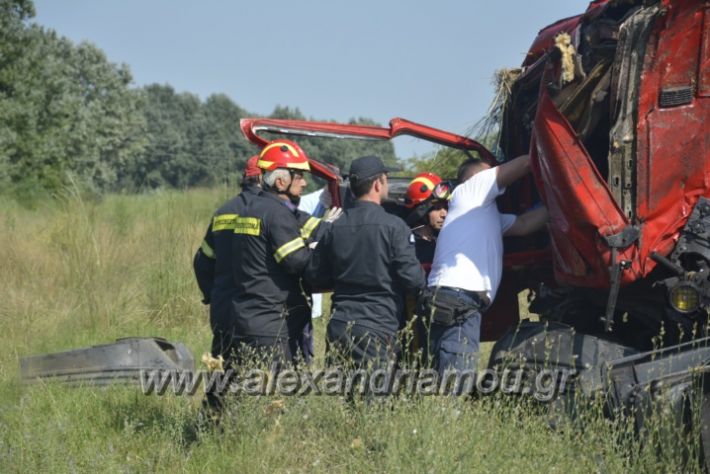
68,112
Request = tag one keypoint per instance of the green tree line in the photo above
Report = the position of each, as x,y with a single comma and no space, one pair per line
67,112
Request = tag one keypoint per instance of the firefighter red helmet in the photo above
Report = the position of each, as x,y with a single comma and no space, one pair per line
251,168
421,188
283,154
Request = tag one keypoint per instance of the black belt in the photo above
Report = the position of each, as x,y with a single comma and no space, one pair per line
447,306
479,296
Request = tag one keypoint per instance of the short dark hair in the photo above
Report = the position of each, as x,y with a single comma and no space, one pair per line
465,167
361,187
250,180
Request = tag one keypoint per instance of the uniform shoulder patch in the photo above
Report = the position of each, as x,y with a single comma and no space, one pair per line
224,222
247,226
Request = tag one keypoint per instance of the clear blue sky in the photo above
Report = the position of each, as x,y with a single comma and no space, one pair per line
426,61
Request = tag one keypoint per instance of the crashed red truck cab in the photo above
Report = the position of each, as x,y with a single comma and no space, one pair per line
612,106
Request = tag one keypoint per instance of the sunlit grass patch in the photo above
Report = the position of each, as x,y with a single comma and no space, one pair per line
83,271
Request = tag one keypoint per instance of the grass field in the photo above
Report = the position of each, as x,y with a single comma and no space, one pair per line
80,271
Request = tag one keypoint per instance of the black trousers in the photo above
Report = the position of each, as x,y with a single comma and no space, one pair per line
252,352
359,347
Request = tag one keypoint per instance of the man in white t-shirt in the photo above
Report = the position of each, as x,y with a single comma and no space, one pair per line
468,261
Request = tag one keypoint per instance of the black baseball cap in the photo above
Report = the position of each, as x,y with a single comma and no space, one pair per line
367,167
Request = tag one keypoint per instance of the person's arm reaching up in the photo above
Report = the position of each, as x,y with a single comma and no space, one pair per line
528,223
513,170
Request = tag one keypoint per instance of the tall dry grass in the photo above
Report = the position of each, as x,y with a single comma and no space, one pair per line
79,271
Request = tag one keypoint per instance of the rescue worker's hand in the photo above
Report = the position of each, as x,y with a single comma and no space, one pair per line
332,214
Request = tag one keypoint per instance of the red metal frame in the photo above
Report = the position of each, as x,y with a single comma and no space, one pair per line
398,126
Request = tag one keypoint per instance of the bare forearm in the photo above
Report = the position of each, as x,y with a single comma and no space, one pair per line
530,222
513,170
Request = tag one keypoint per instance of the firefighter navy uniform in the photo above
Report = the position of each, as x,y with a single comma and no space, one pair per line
367,257
270,252
424,249
427,192
213,269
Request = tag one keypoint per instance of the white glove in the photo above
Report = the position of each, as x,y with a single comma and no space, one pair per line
332,214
